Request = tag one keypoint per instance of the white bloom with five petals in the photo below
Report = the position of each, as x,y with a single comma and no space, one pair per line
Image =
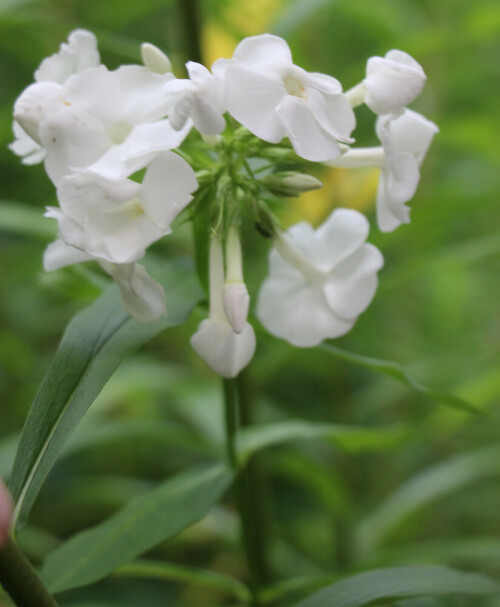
75,56
116,221
108,122
274,98
391,83
319,281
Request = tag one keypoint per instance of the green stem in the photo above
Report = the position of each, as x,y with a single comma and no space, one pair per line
20,580
189,14
244,493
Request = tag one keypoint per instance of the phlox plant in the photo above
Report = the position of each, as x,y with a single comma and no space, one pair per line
133,153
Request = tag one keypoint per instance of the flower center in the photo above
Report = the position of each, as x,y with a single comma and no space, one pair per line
119,132
134,208
294,87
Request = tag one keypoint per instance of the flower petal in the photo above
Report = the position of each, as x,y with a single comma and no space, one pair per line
334,113
352,284
251,97
77,55
59,255
265,49
167,187
308,138
224,351
142,297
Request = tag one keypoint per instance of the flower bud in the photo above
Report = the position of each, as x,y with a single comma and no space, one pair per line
6,509
290,184
236,301
155,59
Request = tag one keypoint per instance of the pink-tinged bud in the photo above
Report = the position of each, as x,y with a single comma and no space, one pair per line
6,510
236,302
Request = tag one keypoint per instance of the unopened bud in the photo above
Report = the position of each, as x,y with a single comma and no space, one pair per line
236,302
155,59
6,509
290,184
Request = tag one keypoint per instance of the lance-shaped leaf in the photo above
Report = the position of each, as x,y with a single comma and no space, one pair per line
146,521
94,344
387,367
424,489
400,582
349,438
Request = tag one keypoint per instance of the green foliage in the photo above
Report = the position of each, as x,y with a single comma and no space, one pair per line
93,346
146,521
365,588
407,482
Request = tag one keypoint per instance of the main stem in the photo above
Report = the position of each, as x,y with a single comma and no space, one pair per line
244,492
20,580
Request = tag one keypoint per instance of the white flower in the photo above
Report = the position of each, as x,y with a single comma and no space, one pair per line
391,83
142,297
77,55
107,122
198,99
405,140
274,98
116,221
225,351
319,281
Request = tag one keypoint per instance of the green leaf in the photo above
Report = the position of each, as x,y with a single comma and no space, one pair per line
8,446
19,218
350,438
180,573
427,487
148,520
400,582
387,367
94,344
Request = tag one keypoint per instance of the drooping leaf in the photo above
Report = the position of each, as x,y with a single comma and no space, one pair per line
399,582
94,344
180,573
350,438
387,367
146,521
424,489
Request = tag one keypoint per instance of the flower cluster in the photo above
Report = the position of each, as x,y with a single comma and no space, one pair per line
110,144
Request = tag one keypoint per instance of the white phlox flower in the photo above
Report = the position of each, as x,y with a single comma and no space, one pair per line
319,281
108,122
236,299
224,350
141,296
391,83
75,56
155,59
405,140
198,99
273,98
116,221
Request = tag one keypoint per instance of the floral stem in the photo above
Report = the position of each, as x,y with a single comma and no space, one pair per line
243,492
20,580
189,14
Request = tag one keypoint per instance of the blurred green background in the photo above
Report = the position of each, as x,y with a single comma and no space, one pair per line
436,311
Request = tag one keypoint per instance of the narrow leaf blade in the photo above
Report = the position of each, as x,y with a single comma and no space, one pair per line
93,346
146,521
399,582
387,367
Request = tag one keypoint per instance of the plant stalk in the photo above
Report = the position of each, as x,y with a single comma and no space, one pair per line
20,580
245,493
